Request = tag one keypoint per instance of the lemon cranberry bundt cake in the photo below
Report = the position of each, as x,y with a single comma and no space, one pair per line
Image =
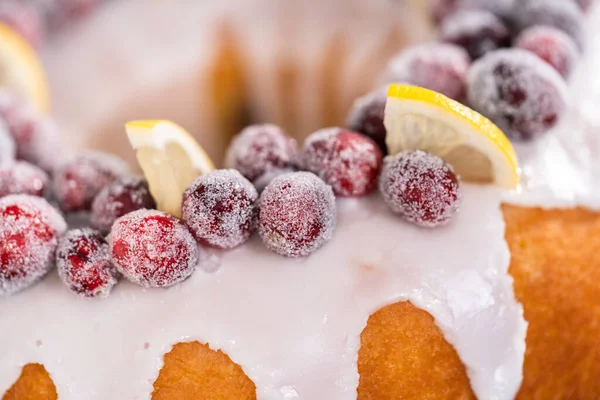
429,250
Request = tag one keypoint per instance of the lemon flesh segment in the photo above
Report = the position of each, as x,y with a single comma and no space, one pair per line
420,119
170,158
21,70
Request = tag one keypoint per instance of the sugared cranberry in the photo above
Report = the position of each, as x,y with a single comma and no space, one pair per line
441,67
421,187
296,214
551,45
518,91
37,138
259,149
442,9
83,263
348,161
220,208
77,183
29,231
564,15
119,198
152,248
8,149
20,177
261,183
367,116
25,18
476,31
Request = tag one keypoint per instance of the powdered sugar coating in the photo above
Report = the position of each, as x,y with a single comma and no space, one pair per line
152,248
441,9
421,187
77,182
8,149
518,91
119,198
564,15
24,18
21,177
477,31
83,263
366,116
347,161
551,45
29,231
441,67
297,214
261,183
258,149
219,208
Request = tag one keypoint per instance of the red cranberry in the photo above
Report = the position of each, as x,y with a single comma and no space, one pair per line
29,230
83,263
118,198
25,19
348,161
296,214
551,45
220,208
421,187
442,9
367,116
153,248
520,93
22,178
8,149
259,149
564,15
476,31
77,183
441,67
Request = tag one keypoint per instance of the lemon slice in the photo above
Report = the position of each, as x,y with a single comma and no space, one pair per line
21,70
421,119
170,158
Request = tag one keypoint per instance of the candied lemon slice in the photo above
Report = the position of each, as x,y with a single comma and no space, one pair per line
21,70
170,158
421,119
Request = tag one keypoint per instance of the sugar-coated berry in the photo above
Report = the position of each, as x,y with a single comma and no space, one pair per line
83,263
561,14
441,67
348,161
29,231
518,91
219,208
297,214
8,148
79,181
421,187
25,18
118,198
551,45
259,149
152,248
477,31
21,177
442,9
261,183
367,116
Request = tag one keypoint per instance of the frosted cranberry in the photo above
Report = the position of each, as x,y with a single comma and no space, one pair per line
119,198
348,161
551,45
259,149
22,178
296,214
29,228
77,183
83,263
441,67
25,19
261,183
518,91
8,149
220,208
564,15
152,248
442,9
476,31
421,187
367,116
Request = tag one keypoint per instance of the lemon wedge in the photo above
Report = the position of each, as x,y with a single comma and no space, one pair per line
170,158
21,70
421,119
